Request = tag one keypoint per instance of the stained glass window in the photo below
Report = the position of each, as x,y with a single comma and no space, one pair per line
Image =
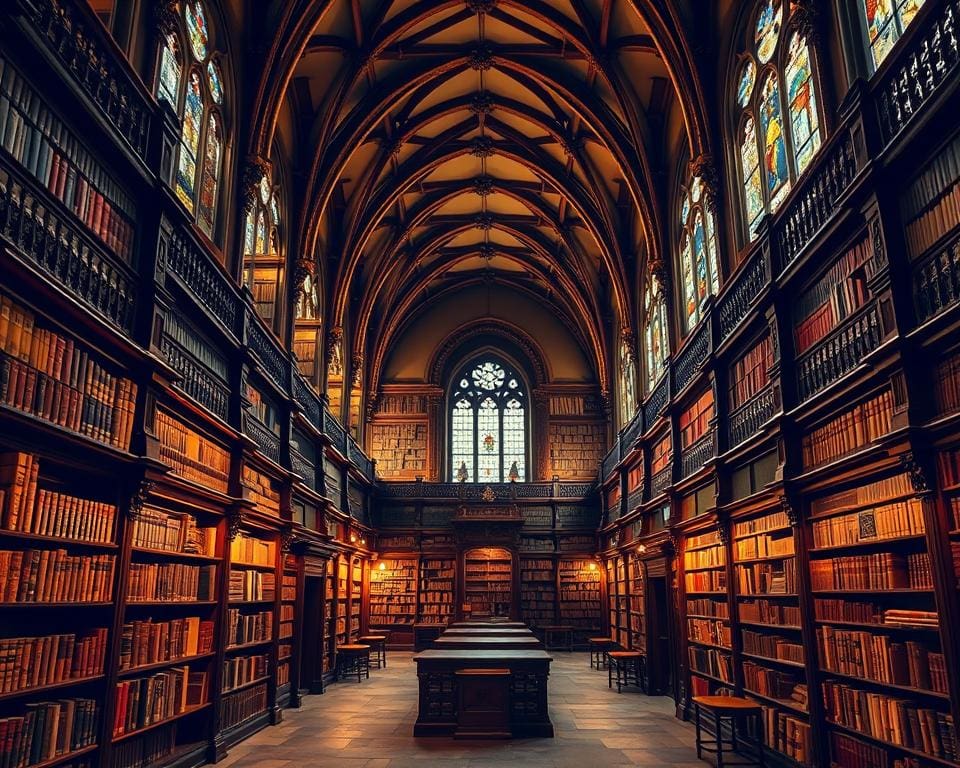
202,133
779,120
488,424
261,256
654,332
168,82
190,141
197,31
698,251
628,377
885,22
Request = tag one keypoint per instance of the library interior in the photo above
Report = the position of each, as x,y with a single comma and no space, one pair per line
475,383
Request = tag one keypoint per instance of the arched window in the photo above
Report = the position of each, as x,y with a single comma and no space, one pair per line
884,22
198,99
628,378
778,126
698,251
654,332
488,424
262,257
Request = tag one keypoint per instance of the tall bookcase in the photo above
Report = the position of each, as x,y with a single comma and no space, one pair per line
392,593
580,585
488,581
708,633
538,590
437,577
638,607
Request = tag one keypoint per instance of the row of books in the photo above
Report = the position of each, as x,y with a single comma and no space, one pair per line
172,532
695,420
860,426
711,661
776,577
28,662
151,642
259,489
902,518
775,684
48,151
45,512
240,670
848,752
48,730
191,455
771,646
946,385
836,296
787,734
882,659
248,550
931,204
891,719
247,585
146,749
243,705
48,376
751,373
764,545
948,465
874,492
55,576
709,557
773,521
858,612
769,612
171,582
704,606
144,701
709,631
705,581
243,629
876,572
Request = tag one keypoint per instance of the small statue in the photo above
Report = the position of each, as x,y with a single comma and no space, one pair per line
462,473
514,473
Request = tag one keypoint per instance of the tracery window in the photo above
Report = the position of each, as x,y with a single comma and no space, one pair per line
189,78
778,126
698,251
654,332
628,378
885,21
488,424
262,258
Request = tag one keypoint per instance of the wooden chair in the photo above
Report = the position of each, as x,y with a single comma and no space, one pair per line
727,710
627,667
353,659
599,646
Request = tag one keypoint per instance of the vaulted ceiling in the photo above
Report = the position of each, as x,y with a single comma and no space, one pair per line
439,144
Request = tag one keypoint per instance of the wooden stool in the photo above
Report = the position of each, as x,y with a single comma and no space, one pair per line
598,651
378,647
627,666
353,659
729,708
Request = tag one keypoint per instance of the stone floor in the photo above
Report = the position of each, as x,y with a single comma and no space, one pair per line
370,724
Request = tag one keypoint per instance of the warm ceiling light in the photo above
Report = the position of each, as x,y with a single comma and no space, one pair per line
383,566
353,539
363,541
642,548
593,566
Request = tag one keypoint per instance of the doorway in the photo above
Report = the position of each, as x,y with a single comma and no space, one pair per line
659,662
313,635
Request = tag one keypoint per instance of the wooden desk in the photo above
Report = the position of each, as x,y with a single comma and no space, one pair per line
464,643
563,631
490,623
487,632
425,634
439,691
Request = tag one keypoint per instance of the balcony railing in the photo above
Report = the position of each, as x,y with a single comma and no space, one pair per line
661,481
359,458
266,441
198,275
475,491
746,420
302,467
79,43
842,350
936,281
736,301
816,203
692,357
695,456
635,498
930,61
335,432
197,381
631,432
656,403
272,359
611,459
64,252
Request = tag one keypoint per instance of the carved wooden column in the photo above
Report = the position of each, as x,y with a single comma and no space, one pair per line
436,436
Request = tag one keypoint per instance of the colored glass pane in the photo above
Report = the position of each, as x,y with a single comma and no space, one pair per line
248,233
768,29
802,99
696,189
215,82
685,210
712,252
275,210
700,257
488,432
886,20
514,441
461,441
775,166
488,376
190,142
750,167
210,180
689,292
197,30
260,241
168,83
748,79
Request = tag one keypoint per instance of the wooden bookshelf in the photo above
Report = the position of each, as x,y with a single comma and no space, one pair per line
436,590
580,581
287,645
637,603
708,632
538,591
392,593
356,598
488,581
